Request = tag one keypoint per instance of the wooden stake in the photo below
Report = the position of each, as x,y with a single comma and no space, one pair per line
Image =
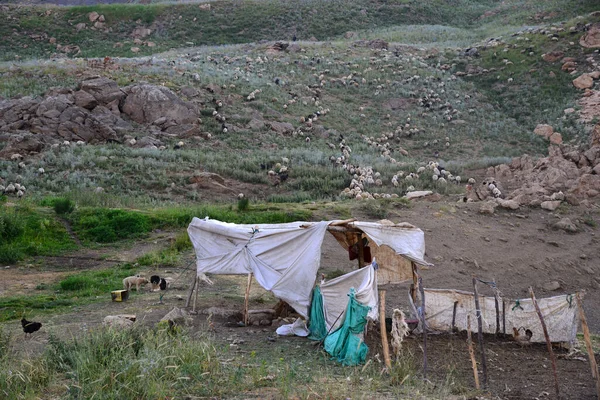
196,296
472,352
548,342
423,324
503,317
247,299
384,339
415,282
588,343
497,311
480,334
189,299
454,316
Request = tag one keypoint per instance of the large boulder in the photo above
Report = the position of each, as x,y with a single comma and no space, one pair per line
22,143
104,90
282,127
78,124
146,103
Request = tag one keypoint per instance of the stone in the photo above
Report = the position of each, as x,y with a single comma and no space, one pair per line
595,74
135,49
509,204
282,128
141,32
256,124
543,130
591,39
418,194
556,138
584,81
99,25
80,26
553,56
22,143
177,316
85,100
489,207
569,66
551,286
560,196
117,321
566,225
103,89
93,16
550,205
146,103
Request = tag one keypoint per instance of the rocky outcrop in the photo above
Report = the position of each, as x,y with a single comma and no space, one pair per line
567,174
93,113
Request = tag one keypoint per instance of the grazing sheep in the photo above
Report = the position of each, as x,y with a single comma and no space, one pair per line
471,181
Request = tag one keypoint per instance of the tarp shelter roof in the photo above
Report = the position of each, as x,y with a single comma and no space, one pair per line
284,258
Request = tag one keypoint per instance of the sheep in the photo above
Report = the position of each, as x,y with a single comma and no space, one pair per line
457,179
41,171
471,181
410,188
271,173
307,140
10,188
420,170
435,177
442,181
240,196
496,192
20,193
285,160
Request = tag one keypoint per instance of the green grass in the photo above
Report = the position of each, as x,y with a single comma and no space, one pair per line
231,22
26,232
72,291
158,363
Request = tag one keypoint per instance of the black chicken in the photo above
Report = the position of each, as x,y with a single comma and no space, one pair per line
30,327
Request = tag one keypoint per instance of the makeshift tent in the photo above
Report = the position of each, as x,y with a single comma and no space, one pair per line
284,258
560,314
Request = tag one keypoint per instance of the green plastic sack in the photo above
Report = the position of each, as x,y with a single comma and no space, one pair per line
344,344
316,322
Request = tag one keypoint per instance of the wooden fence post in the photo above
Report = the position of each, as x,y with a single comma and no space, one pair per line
384,339
588,343
480,334
548,342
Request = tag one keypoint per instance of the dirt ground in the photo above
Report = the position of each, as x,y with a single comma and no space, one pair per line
517,249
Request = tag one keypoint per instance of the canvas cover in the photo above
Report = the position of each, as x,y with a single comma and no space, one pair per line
336,291
393,245
284,258
560,314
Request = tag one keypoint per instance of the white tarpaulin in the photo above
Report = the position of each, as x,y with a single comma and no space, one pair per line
284,258
335,294
560,314
406,240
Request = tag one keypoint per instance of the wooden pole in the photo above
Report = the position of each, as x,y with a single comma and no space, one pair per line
361,251
196,296
497,305
472,352
588,343
548,342
192,287
454,316
503,317
480,334
247,299
423,324
415,282
384,339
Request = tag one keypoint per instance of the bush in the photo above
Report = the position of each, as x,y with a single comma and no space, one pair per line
10,254
11,226
63,206
107,226
243,204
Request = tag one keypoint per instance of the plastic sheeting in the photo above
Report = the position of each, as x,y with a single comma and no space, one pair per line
560,314
335,291
346,344
284,258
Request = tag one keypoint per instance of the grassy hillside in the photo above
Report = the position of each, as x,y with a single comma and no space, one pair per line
27,31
